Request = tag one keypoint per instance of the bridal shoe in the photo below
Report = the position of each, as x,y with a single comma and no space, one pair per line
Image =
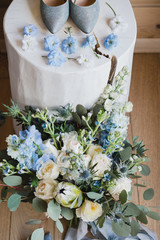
54,13
84,14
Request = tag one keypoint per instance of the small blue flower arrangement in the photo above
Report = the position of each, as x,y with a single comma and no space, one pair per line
30,29
56,58
51,43
69,45
111,41
90,41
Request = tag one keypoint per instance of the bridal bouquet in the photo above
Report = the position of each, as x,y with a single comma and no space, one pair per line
78,165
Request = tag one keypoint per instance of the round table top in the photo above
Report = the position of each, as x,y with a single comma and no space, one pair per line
21,13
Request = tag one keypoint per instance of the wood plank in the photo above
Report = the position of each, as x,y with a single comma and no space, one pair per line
3,67
5,222
145,45
2,13
145,119
145,3
19,230
148,25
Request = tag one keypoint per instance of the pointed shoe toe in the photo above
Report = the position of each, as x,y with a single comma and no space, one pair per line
53,15
85,16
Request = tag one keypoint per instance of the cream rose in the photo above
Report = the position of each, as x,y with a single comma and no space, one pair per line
89,211
45,189
120,184
49,170
103,164
71,143
94,149
50,148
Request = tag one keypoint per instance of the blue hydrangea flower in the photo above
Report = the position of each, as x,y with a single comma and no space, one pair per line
14,140
107,177
51,43
56,58
111,41
37,164
97,183
30,29
90,41
69,45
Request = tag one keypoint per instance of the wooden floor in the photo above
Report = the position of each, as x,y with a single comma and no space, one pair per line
145,122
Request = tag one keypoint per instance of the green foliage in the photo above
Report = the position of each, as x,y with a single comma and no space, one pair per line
145,170
135,228
126,153
12,180
142,218
67,213
95,196
33,222
121,229
38,234
80,200
153,215
81,110
59,225
39,205
54,210
139,185
123,197
76,118
148,194
4,193
14,202
97,108
130,209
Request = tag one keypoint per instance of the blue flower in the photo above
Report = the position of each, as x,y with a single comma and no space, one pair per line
37,163
69,45
14,140
107,177
56,58
51,43
111,41
30,30
90,41
97,183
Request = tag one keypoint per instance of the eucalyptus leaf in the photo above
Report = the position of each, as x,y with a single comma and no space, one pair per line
96,196
12,181
123,197
143,209
101,221
135,228
54,210
14,202
38,234
148,194
59,226
142,218
96,109
126,154
145,170
80,200
39,205
81,110
33,222
76,118
131,210
121,229
154,215
67,213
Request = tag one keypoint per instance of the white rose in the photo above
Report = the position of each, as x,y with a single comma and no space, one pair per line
94,149
103,163
121,184
89,211
48,170
45,189
108,105
128,107
63,162
71,143
86,159
50,148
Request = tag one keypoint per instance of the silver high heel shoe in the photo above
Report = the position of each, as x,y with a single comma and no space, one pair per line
85,13
54,13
